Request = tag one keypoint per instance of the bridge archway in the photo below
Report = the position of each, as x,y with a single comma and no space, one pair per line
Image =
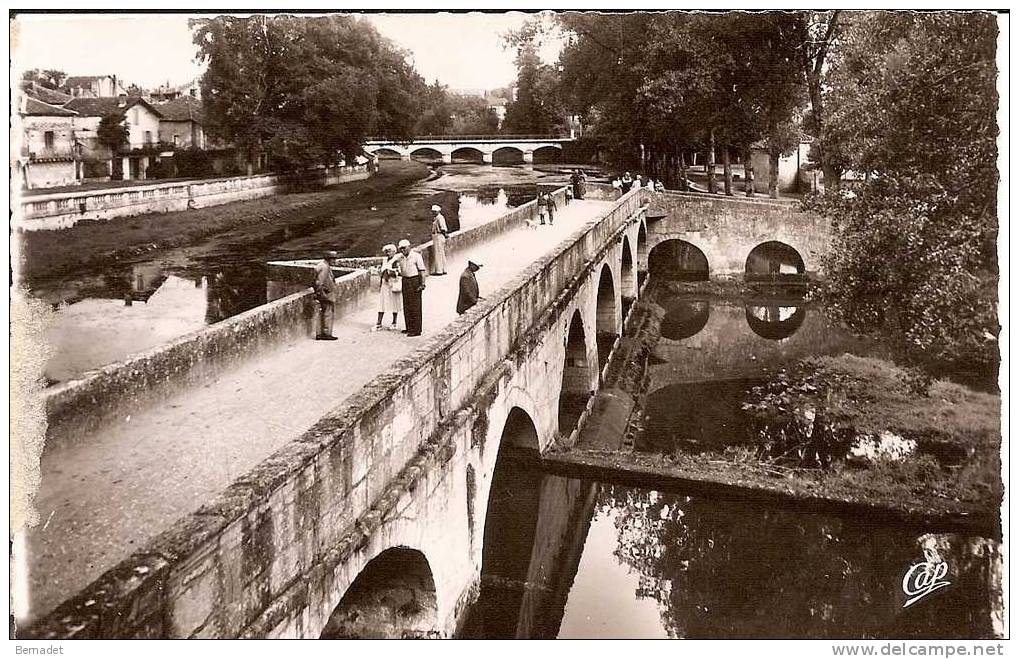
387,154
511,523
426,154
627,278
606,321
392,597
678,259
468,154
642,264
548,154
775,322
507,155
773,260
577,377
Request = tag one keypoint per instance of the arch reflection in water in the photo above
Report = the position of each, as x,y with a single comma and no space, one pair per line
775,322
684,318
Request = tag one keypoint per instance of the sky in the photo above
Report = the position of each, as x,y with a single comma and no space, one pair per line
463,51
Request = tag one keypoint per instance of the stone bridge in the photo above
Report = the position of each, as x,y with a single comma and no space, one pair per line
387,517
478,147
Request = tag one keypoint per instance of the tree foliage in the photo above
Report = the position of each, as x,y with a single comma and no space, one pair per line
112,133
304,89
48,78
537,108
911,106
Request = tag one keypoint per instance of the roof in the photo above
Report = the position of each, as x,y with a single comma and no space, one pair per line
79,81
106,105
44,94
185,108
36,108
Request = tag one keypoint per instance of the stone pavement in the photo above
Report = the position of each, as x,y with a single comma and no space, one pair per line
104,496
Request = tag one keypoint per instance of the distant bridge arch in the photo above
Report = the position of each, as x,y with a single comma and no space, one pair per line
545,146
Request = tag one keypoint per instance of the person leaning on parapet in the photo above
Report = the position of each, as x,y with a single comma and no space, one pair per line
325,294
659,186
627,182
469,292
439,233
413,272
390,286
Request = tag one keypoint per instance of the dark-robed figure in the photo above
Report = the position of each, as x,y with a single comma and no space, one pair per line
469,292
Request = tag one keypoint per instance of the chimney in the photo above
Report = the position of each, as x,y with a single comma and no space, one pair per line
121,100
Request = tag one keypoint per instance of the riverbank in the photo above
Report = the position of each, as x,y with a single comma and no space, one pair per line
94,246
836,432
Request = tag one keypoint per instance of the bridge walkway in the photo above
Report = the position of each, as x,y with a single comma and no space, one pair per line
104,496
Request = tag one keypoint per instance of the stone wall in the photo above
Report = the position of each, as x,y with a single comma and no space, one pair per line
726,229
274,552
63,209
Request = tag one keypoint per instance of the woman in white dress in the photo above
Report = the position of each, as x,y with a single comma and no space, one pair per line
439,233
390,293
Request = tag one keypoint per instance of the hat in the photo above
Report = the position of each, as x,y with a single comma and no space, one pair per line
404,243
436,208
389,247
332,255
475,264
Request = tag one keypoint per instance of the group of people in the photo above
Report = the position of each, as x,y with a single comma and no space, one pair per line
626,182
578,185
400,279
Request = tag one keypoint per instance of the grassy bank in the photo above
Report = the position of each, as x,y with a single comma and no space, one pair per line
89,246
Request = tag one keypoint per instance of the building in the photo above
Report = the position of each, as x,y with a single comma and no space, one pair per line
180,124
794,175
142,121
50,153
93,86
168,92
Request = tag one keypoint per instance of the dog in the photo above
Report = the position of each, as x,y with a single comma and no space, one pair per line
532,223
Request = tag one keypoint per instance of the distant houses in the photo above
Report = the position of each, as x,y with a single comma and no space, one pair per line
61,145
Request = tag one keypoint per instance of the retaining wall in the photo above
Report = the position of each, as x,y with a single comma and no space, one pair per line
63,209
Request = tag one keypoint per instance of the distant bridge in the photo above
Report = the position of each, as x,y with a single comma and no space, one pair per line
445,147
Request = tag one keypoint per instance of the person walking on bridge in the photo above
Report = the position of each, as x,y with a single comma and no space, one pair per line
551,206
325,295
439,233
469,292
413,273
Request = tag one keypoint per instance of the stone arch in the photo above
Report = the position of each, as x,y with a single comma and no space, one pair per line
392,597
426,153
577,377
606,319
507,155
468,154
774,321
627,276
678,259
773,260
642,251
548,153
387,153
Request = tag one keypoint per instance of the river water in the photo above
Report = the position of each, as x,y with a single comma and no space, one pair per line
579,559
174,294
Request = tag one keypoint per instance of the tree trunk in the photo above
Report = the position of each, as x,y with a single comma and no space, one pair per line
773,155
710,165
726,171
683,184
748,170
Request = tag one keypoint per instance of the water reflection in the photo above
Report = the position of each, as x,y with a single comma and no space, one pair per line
684,318
775,322
721,569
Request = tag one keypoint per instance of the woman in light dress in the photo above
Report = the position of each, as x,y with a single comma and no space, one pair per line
390,292
439,233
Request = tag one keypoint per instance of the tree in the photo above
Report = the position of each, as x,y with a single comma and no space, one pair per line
48,78
112,133
304,89
537,107
911,106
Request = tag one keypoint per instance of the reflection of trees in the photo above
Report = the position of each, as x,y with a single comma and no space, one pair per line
233,291
730,570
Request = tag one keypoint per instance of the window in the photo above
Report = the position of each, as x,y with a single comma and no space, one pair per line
48,139
135,118
148,137
176,140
